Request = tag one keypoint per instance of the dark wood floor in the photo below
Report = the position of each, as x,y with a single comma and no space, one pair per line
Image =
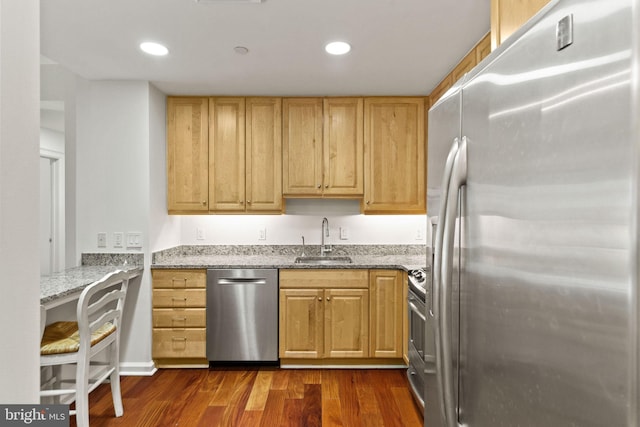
264,396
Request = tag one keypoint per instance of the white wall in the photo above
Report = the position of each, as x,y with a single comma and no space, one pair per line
113,190
19,202
304,218
164,229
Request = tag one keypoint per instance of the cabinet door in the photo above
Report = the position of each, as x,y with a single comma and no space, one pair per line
301,323
346,330
464,66
387,306
264,154
440,90
394,155
226,155
187,155
483,48
302,146
343,147
509,15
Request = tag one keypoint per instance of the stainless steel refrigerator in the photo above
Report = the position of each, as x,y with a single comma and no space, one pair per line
533,173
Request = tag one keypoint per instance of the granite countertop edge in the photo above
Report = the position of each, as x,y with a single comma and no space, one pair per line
74,280
397,262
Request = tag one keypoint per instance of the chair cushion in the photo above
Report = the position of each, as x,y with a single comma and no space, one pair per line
63,337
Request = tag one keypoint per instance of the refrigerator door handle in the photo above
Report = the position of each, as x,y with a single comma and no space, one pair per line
436,270
457,180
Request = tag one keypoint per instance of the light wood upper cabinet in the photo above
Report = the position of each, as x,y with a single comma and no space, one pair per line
302,146
387,312
471,59
464,66
264,154
323,147
226,154
440,90
187,154
343,147
245,155
483,48
395,155
509,15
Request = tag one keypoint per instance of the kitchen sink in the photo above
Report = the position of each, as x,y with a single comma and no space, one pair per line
323,260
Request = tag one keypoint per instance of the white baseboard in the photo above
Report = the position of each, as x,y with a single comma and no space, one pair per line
137,368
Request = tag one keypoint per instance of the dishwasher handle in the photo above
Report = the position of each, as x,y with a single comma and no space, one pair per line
241,281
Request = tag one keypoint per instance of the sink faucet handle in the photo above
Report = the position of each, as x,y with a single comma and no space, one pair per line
303,254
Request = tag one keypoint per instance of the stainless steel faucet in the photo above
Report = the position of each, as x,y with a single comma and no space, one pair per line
325,232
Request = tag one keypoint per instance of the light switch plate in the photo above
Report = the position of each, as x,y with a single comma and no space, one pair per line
134,240
344,233
102,240
118,239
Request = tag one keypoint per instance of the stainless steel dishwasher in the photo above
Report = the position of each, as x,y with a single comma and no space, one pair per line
242,315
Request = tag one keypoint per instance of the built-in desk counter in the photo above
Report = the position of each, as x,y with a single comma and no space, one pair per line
67,285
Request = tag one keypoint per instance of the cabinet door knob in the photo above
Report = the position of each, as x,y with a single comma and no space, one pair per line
248,202
319,298
326,186
367,202
204,203
319,186
328,298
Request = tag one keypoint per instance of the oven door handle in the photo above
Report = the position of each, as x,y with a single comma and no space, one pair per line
415,309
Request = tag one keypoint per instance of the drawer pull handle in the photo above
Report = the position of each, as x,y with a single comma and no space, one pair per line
179,338
178,299
180,319
177,281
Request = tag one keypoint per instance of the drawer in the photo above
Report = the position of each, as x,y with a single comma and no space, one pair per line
179,279
185,343
179,318
324,278
179,298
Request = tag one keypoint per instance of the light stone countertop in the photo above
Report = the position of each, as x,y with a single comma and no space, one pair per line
66,285
237,257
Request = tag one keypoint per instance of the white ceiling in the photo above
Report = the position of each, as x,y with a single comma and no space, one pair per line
399,47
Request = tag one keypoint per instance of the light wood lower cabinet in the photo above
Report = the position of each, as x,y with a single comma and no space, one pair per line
179,316
388,312
324,314
343,314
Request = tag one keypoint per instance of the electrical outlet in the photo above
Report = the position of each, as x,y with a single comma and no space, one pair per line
118,239
344,233
419,234
102,240
199,233
262,235
134,240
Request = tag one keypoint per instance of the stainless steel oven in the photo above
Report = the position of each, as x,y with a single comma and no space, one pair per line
417,298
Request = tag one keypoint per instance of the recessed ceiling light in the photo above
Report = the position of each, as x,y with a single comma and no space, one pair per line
154,48
337,48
